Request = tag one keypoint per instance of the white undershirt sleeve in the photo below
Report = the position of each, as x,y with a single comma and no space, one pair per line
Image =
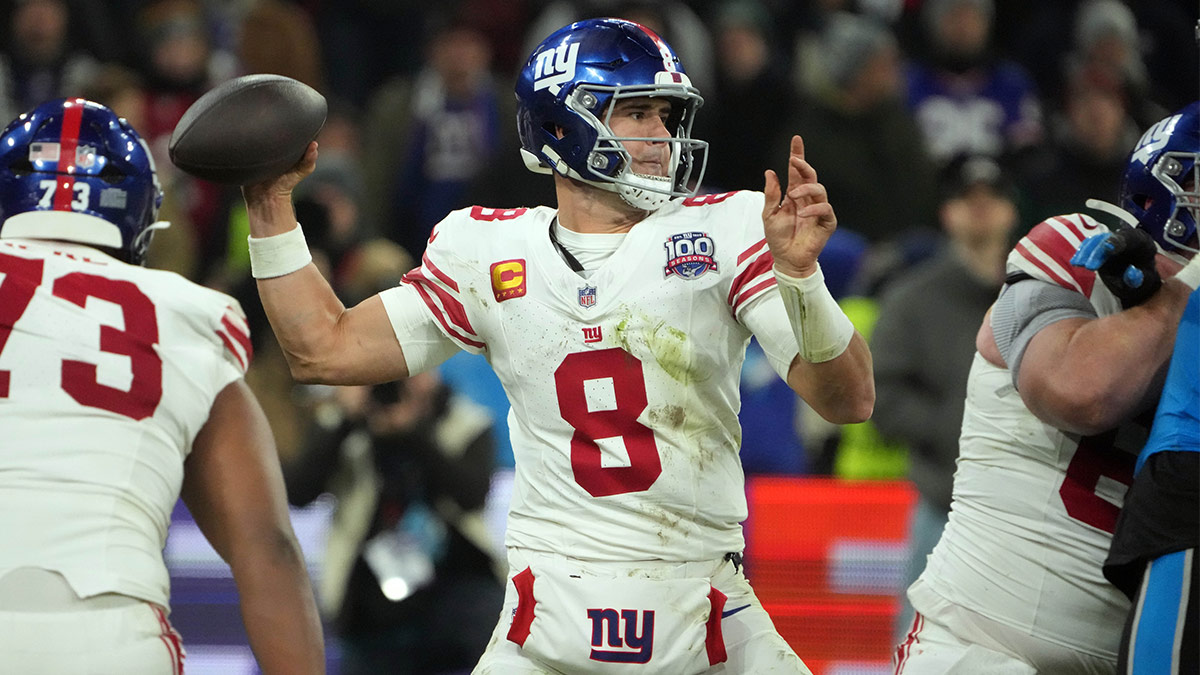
766,317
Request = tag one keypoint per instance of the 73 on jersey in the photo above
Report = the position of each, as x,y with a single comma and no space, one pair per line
20,279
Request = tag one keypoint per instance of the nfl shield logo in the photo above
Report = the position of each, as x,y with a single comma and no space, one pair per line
587,296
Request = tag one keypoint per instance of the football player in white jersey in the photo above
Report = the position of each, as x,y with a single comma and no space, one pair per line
121,389
617,324
1069,364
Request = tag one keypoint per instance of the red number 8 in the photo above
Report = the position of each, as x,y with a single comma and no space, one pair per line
629,388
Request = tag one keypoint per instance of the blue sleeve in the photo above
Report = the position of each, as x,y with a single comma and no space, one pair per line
1176,424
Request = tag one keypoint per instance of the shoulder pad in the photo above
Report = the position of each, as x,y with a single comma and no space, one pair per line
1045,253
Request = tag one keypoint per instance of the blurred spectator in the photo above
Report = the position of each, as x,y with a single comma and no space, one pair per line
1090,137
410,581
1152,37
179,60
1107,44
504,25
924,342
278,37
809,20
37,60
748,108
966,99
122,90
857,131
179,64
432,135
674,21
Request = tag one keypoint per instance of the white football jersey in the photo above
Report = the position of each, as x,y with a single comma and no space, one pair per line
624,385
107,372
1034,507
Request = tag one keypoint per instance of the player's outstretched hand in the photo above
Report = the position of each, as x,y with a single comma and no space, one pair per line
282,186
798,219
1125,261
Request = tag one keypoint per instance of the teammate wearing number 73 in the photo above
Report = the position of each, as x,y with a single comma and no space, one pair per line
1059,402
617,323
121,388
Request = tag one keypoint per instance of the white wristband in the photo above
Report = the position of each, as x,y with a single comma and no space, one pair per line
1190,274
278,254
822,329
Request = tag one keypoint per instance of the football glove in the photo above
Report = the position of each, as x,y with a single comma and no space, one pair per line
1124,261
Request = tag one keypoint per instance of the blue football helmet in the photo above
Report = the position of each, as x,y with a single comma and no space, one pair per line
565,96
1161,185
71,170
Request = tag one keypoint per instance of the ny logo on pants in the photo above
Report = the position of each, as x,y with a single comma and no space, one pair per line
636,647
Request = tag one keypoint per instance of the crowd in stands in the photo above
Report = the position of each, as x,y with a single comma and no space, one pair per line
891,97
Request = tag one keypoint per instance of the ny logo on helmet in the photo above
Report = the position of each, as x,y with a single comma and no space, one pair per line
554,67
1155,139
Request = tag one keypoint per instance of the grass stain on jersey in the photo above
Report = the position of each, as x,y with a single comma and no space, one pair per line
667,344
669,416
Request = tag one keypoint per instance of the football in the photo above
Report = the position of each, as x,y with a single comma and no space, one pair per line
248,129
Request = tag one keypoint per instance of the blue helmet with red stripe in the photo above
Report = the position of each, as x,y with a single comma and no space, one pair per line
1161,184
565,94
72,170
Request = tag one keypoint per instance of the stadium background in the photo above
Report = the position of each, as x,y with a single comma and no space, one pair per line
826,550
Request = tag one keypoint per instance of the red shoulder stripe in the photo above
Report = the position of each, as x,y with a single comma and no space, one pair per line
445,278
1052,242
749,292
424,287
757,267
751,251
454,309
233,350
241,334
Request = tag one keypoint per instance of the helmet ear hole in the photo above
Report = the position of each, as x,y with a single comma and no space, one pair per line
112,175
21,168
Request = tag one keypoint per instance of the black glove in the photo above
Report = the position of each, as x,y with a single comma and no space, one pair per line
1124,261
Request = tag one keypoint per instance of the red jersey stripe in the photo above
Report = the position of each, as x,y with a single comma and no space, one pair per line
1062,273
445,278
751,251
1071,226
437,314
240,334
1052,242
750,292
760,265
233,349
454,308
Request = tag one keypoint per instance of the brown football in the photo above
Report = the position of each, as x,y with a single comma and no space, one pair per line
247,129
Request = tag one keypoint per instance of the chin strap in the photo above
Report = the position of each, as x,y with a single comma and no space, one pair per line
1112,210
